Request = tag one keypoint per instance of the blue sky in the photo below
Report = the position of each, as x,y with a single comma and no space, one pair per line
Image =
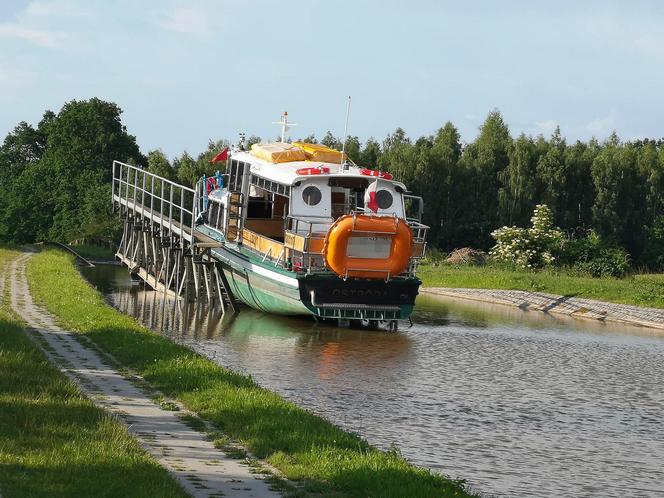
187,71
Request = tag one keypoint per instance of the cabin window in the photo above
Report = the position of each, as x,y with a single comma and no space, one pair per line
265,213
260,203
215,215
384,199
311,195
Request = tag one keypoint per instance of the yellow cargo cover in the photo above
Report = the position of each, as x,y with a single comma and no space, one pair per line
278,152
316,152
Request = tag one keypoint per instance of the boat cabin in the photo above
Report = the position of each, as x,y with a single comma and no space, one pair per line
283,208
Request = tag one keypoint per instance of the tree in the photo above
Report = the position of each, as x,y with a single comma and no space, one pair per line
331,141
516,197
68,155
23,147
370,154
352,148
614,210
159,164
83,140
253,139
438,185
187,173
398,156
483,160
311,139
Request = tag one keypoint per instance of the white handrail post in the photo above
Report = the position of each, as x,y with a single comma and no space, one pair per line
152,194
143,195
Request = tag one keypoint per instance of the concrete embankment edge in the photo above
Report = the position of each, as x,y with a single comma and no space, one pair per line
552,303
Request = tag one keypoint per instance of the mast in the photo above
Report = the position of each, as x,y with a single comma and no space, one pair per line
285,125
343,145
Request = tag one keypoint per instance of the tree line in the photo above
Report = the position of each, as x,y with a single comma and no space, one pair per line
55,180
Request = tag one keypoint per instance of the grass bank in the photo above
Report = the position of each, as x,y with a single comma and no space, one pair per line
94,252
640,290
55,442
306,448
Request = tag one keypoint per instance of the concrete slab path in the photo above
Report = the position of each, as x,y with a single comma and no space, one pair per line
552,303
203,470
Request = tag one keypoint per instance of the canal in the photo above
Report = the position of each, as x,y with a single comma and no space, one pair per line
516,403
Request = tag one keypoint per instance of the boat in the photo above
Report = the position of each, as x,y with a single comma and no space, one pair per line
299,229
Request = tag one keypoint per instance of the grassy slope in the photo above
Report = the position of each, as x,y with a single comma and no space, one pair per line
640,290
302,445
95,252
53,441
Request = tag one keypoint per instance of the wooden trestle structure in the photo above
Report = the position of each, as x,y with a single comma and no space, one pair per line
159,243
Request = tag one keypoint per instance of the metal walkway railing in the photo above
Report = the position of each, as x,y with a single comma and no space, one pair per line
159,241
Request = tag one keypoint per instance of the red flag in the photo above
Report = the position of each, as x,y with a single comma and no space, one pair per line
221,157
370,197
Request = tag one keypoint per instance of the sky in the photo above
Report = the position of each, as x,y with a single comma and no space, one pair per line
185,72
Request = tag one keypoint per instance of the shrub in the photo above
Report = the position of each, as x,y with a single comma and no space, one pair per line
434,256
532,247
591,255
653,254
608,262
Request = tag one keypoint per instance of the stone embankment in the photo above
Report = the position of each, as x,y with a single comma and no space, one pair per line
566,305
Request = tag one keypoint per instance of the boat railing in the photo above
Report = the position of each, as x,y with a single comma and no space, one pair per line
305,238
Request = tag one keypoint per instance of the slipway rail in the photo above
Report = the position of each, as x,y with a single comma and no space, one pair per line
159,241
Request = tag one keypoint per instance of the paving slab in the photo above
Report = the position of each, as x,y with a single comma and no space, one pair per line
202,470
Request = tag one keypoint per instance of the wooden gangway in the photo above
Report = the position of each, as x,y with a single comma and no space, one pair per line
160,243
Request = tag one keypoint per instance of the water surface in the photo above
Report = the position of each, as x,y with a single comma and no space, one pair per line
517,403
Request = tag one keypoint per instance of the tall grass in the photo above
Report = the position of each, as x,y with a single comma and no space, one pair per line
306,448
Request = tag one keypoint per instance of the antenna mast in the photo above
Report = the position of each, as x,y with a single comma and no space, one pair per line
285,125
343,145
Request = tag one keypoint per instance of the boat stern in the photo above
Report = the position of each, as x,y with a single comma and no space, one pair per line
358,299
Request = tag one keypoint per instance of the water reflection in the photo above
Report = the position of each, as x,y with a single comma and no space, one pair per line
518,403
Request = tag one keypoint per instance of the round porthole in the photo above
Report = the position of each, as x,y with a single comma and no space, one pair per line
384,199
311,195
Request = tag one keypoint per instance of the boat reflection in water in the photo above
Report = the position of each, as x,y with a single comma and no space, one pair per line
208,331
518,403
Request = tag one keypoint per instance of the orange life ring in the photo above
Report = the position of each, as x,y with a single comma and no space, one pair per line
373,228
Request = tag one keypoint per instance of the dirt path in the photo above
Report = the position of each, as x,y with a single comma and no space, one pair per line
202,470
551,303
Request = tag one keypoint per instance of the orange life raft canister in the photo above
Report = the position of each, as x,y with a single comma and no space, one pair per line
377,247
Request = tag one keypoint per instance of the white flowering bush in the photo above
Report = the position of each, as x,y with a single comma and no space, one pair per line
532,247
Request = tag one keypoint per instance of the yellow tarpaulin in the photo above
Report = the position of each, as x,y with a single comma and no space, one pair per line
278,152
316,152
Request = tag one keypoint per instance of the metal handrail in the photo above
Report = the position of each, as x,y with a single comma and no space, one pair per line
140,184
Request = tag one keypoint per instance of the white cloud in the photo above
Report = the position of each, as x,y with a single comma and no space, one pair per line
602,125
184,20
41,38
